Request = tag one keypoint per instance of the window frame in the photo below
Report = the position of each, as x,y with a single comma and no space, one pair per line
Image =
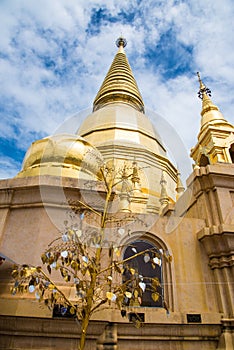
166,268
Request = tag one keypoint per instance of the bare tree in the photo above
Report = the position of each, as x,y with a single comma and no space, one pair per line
90,263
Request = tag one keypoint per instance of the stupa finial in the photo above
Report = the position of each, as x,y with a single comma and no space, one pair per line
121,41
203,89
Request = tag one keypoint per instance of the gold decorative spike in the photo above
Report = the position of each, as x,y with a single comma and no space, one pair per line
202,86
204,94
213,144
179,187
164,199
119,84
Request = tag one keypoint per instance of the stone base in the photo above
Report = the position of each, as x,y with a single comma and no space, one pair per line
59,333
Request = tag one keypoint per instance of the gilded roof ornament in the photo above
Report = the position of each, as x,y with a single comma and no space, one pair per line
121,42
211,148
203,89
119,84
179,185
204,94
164,199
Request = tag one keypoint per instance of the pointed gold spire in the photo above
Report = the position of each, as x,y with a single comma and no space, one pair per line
204,94
164,199
179,186
119,84
210,112
216,134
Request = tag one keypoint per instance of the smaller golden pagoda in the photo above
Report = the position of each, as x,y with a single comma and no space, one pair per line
216,134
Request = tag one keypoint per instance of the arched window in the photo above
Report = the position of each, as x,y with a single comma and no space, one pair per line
231,151
148,267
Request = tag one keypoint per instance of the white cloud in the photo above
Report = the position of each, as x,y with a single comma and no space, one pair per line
8,168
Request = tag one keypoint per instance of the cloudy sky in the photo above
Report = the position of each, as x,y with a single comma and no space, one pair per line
55,54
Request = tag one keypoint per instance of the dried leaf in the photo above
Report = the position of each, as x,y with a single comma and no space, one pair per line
67,278
43,258
128,294
74,265
31,288
85,259
72,310
15,273
63,272
25,272
142,285
64,254
123,313
63,310
155,296
78,233
155,282
157,261
146,258
117,252
109,295
13,291
53,265
71,232
83,271
65,238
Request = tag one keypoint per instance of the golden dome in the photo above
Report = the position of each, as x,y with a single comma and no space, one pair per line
62,155
120,123
119,84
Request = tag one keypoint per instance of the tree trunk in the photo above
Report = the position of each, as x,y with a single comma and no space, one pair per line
84,327
88,309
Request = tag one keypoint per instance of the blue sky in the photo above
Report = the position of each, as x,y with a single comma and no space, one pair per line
54,56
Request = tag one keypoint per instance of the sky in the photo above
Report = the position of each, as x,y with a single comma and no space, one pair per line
55,54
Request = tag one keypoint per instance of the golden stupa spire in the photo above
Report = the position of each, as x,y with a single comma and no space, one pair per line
210,112
204,94
216,134
179,186
119,84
